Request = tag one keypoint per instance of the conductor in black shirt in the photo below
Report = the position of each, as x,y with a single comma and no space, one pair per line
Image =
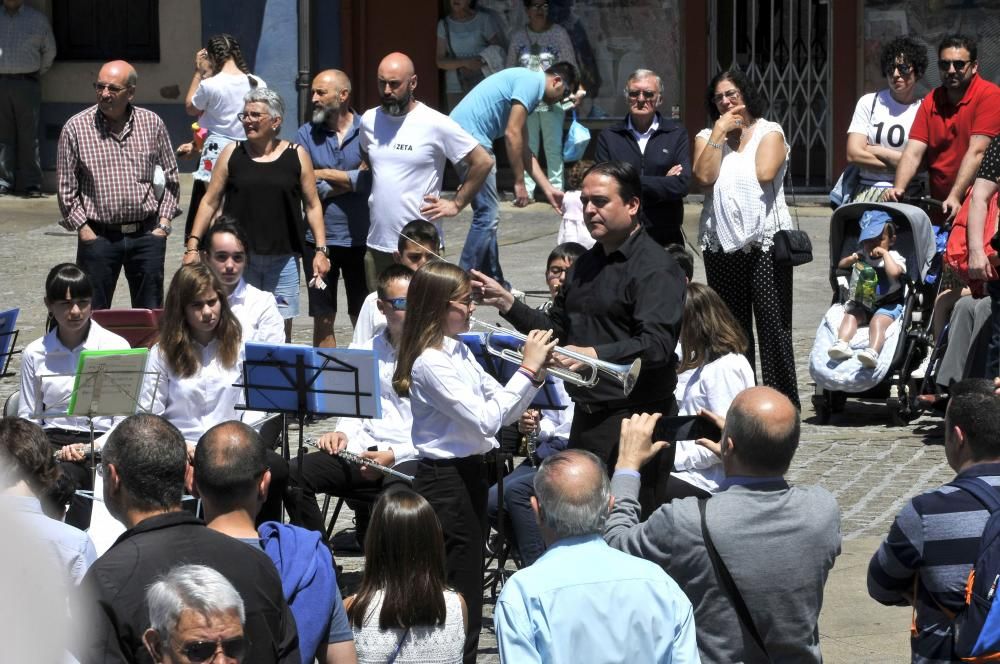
621,300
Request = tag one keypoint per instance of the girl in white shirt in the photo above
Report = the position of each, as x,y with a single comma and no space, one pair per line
47,368
457,411
713,370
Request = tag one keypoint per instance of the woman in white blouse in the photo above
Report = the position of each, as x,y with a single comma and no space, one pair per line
47,368
457,411
712,371
740,163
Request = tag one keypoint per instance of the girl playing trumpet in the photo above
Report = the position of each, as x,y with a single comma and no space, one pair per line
457,411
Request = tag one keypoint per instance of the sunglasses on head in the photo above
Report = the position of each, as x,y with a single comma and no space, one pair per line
202,651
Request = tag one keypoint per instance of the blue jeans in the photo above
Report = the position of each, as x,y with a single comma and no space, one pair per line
481,251
518,488
278,275
141,254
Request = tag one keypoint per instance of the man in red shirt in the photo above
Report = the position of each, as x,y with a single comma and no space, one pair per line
953,127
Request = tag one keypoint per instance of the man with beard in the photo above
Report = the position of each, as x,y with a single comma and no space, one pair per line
343,182
406,144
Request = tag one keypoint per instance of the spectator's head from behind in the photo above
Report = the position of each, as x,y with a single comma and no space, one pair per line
115,88
684,258
224,249
560,82
330,91
230,470
560,260
708,329
957,63
904,62
972,424
611,200
263,113
393,283
397,79
195,615
572,495
143,465
732,88
221,49
761,433
404,558
643,95
26,463
418,243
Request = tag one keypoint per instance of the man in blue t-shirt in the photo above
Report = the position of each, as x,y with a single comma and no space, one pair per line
499,107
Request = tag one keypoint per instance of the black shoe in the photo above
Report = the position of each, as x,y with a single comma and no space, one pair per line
33,192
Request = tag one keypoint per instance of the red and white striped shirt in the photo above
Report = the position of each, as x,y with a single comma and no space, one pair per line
108,179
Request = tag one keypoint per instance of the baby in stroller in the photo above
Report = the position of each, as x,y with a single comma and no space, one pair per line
876,289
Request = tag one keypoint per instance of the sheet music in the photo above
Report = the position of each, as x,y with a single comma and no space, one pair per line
108,382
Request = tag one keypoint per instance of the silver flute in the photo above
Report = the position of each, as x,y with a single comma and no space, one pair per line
359,460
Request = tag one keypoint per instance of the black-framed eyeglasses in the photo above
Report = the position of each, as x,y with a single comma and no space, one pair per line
731,95
113,89
556,271
904,70
202,651
646,94
959,65
397,303
253,116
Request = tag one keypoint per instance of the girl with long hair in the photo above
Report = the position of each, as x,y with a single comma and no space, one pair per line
712,371
221,79
47,368
457,411
403,606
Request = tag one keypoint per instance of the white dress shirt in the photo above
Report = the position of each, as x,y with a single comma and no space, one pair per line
392,430
371,321
643,137
43,392
457,407
197,403
258,314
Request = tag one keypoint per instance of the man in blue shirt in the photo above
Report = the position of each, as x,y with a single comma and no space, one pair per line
582,600
499,107
332,139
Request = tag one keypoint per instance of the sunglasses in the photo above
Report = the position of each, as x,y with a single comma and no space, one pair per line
113,89
397,303
904,70
959,65
202,651
646,94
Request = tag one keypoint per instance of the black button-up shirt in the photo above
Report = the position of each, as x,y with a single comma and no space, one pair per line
627,305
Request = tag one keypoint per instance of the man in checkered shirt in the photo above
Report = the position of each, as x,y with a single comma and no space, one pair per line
111,192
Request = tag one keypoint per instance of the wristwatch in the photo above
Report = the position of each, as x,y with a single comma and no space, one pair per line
323,250
166,229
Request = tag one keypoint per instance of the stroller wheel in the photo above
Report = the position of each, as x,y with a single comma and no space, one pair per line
900,412
821,404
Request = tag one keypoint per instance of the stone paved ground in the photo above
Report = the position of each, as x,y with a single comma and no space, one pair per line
871,467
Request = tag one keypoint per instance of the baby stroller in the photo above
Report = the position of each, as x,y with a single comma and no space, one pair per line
907,339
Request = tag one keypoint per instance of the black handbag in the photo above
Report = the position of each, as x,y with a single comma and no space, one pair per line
791,247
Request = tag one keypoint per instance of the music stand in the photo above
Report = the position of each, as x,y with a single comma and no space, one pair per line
301,381
8,337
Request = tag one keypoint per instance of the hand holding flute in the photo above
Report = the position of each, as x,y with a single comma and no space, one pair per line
336,442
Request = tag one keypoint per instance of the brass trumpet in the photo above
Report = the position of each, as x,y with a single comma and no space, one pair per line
626,374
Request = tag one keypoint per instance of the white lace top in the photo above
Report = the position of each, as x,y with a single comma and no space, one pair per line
423,645
738,212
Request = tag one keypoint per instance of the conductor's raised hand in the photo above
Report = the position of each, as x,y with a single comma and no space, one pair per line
489,291
332,442
537,349
635,444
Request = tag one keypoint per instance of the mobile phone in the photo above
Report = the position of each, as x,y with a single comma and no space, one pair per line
685,427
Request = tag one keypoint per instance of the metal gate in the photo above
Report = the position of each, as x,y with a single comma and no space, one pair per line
784,47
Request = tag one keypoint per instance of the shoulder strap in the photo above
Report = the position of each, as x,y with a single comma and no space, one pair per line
983,492
727,582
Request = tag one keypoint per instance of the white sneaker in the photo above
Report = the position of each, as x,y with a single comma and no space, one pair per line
920,372
840,351
867,357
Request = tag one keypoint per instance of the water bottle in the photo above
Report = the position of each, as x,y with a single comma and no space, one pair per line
868,285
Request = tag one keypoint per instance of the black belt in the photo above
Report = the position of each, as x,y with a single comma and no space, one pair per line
130,228
33,76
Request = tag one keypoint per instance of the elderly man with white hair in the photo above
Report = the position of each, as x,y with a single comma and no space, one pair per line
194,613
582,600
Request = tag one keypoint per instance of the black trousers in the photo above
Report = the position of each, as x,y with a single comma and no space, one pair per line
457,490
599,431
73,475
271,510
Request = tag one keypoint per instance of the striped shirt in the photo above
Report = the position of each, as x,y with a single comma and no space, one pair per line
108,179
936,538
27,45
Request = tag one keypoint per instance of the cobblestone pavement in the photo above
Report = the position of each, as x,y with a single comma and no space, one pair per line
871,467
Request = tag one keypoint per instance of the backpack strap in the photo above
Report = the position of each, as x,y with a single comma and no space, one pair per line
728,584
982,491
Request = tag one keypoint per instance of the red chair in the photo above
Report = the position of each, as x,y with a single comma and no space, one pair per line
140,327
